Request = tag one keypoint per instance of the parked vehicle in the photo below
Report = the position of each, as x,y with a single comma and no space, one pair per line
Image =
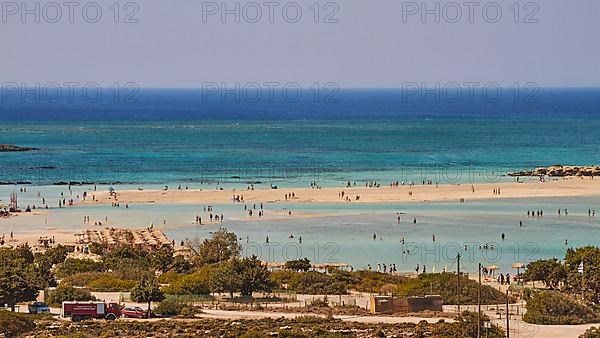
38,307
134,312
88,310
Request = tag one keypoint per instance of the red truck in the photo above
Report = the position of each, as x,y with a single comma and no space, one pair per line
88,310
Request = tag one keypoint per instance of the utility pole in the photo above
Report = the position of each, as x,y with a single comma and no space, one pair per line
582,284
479,305
507,317
458,281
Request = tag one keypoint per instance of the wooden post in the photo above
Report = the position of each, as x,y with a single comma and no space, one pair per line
479,305
507,317
458,281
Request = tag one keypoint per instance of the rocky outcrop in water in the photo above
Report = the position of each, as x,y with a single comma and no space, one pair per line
5,148
561,171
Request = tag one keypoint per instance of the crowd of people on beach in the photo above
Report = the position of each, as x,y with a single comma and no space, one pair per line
559,212
532,213
216,218
383,268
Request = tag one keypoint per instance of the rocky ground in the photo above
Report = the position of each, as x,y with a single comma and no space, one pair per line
560,171
10,148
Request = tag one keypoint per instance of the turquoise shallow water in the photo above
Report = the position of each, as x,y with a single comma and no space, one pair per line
343,232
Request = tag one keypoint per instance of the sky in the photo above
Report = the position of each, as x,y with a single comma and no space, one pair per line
353,43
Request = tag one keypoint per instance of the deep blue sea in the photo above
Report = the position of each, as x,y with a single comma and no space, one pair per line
158,136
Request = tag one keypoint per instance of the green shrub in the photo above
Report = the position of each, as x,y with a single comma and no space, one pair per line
110,283
196,283
592,332
14,324
54,255
99,282
371,281
169,277
68,293
527,293
72,266
320,302
298,264
316,283
181,265
555,308
83,278
175,307
282,277
444,284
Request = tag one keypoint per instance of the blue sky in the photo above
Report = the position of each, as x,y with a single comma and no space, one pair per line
369,46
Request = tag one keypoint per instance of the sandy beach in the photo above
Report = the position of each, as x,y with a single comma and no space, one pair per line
567,187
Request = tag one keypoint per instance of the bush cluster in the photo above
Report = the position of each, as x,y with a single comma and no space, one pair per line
555,308
174,307
68,293
14,324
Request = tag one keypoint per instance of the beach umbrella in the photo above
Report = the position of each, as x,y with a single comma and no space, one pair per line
518,266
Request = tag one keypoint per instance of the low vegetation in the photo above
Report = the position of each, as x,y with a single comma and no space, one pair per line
556,308
196,283
110,284
175,307
592,332
99,282
301,327
15,324
73,266
68,293
445,285
315,283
